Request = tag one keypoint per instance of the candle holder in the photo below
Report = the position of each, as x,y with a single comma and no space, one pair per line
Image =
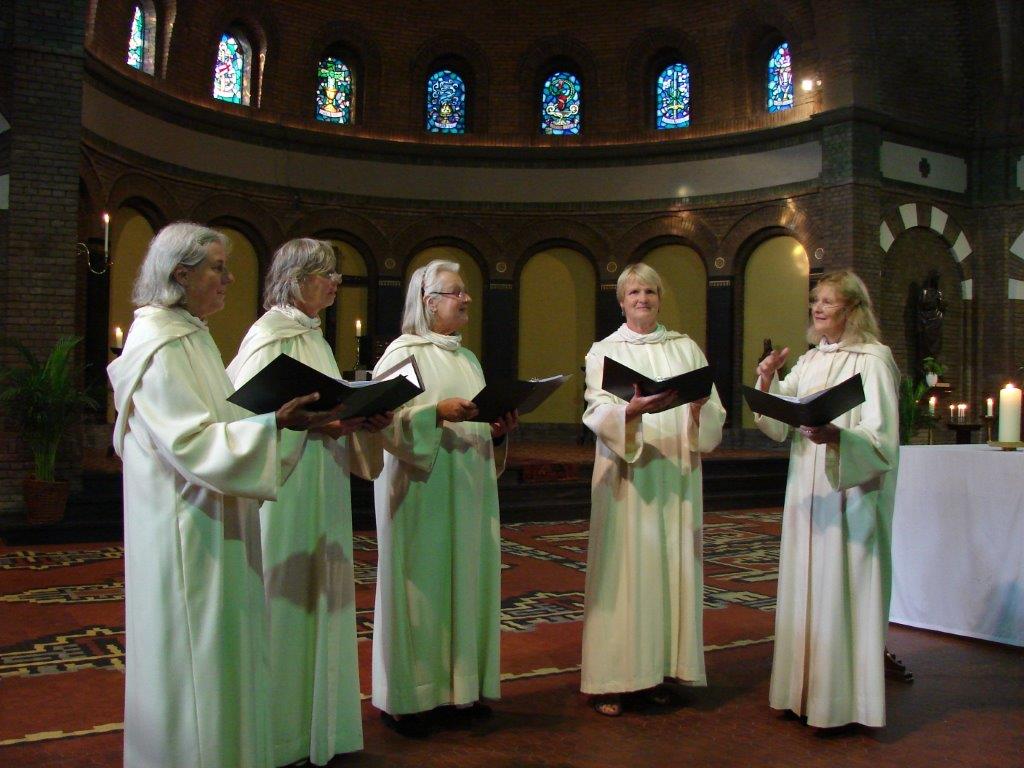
963,431
988,427
364,344
117,351
1006,446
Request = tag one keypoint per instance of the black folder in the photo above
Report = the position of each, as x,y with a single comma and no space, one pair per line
506,395
285,378
814,410
618,379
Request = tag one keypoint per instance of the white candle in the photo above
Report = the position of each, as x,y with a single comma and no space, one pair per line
990,407
118,336
106,236
931,405
359,328
1009,414
952,417
961,412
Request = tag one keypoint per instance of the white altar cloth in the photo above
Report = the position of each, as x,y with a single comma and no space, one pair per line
958,541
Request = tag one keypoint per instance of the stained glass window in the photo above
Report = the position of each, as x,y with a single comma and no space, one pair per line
137,40
333,91
229,72
780,79
560,105
673,89
446,103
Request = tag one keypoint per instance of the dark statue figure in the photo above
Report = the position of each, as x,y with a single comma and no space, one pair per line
930,309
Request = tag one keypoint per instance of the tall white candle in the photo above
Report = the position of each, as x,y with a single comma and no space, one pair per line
990,408
931,405
961,412
359,328
118,336
106,235
952,413
1009,414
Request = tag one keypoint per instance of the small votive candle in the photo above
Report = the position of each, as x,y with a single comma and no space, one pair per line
118,337
990,407
931,405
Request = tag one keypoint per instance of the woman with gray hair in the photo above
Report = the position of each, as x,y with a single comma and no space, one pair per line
194,466
436,618
307,531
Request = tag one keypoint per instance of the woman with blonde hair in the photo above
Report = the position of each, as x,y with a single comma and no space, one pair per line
835,572
307,532
643,613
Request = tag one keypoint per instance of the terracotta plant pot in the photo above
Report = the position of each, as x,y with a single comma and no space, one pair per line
45,501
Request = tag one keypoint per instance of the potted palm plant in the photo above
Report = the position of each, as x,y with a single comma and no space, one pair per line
912,411
44,400
933,369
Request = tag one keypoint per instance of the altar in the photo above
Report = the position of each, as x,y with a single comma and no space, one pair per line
958,541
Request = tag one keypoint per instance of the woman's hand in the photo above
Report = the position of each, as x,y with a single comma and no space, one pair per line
821,435
768,367
504,425
293,415
455,409
341,427
379,421
641,404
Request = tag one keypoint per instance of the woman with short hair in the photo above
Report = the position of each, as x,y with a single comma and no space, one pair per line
643,611
194,467
307,532
835,570
436,618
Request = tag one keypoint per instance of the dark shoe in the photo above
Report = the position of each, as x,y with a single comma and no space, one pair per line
476,711
411,726
660,696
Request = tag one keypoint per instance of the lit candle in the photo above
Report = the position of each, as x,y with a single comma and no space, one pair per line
1009,414
961,412
118,336
106,235
990,407
359,328
931,405
952,408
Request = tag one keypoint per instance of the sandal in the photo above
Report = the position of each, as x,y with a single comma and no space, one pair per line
608,704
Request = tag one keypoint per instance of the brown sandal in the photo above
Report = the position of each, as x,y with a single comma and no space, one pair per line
607,704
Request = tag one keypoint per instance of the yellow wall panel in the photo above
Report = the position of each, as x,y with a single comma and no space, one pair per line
684,300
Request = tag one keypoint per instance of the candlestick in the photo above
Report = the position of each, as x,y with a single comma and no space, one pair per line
931,405
1009,414
106,235
989,407
118,336
359,328
952,413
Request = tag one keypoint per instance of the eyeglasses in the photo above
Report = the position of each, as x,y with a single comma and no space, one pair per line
828,305
334,277
456,294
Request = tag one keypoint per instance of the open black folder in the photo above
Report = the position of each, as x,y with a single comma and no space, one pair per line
619,379
285,378
505,395
814,410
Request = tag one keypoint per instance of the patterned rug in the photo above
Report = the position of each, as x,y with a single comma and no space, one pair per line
62,633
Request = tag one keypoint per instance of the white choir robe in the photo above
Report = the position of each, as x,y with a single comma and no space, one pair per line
835,568
437,614
643,612
307,561
194,468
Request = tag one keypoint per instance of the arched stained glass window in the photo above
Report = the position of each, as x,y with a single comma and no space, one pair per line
229,71
446,103
673,89
780,79
560,105
333,91
137,40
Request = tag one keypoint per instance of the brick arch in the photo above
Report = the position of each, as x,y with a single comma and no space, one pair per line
909,215
687,228
445,230
362,55
467,59
760,225
146,194
559,233
649,53
536,64
364,235
244,215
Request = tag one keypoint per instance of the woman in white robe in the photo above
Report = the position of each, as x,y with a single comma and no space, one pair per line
194,466
835,572
643,611
436,619
307,532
